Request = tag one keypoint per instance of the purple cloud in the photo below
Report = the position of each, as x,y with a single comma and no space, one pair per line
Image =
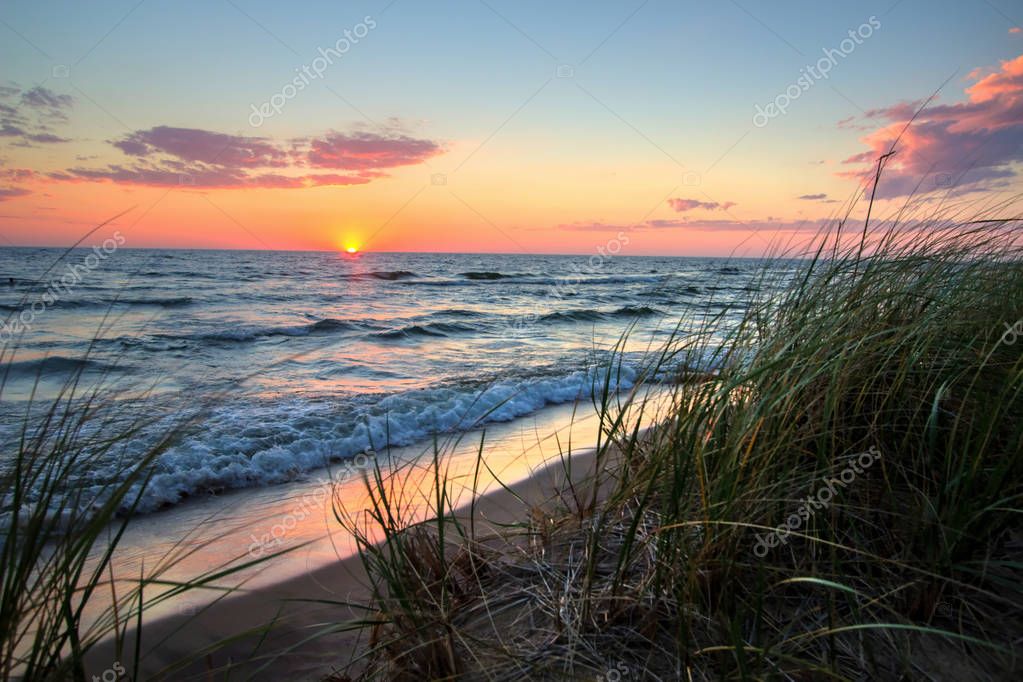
12,192
683,205
192,144
168,156
364,151
821,197
52,103
25,115
768,225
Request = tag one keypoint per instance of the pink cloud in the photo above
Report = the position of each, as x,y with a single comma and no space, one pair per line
15,175
683,205
208,177
767,225
12,192
1016,29
971,143
18,174
192,144
166,156
361,151
820,196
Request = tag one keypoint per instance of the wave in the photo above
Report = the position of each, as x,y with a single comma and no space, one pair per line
460,312
186,274
74,303
431,329
249,333
565,282
573,316
172,302
388,275
56,364
486,275
238,450
637,311
246,333
588,315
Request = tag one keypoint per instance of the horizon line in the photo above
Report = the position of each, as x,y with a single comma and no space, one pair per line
341,252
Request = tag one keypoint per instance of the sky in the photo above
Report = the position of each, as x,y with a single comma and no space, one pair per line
695,128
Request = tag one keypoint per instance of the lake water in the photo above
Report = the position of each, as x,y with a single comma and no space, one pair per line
289,361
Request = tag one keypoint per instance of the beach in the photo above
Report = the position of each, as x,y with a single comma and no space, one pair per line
299,606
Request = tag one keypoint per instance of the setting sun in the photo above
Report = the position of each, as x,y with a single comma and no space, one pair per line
352,249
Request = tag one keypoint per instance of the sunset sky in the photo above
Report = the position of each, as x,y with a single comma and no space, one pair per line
492,125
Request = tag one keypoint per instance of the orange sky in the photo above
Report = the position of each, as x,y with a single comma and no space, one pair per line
501,133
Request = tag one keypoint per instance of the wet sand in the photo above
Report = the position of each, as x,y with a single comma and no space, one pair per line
308,591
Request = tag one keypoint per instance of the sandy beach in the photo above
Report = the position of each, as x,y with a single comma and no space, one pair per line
292,648
308,589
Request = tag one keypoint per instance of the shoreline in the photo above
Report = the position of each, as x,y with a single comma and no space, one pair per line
526,470
174,638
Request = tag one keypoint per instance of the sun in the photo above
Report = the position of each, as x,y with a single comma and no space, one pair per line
352,250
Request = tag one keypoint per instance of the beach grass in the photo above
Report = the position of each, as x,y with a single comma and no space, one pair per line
61,523
834,494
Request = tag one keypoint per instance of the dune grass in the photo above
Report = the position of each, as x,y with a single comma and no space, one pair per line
837,498
58,539
61,523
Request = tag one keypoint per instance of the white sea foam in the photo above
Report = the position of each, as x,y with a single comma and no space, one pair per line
244,445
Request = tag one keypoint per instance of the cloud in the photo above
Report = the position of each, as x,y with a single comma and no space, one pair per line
974,144
683,205
167,156
49,102
767,225
26,116
12,192
192,144
1016,29
15,175
205,177
364,151
821,197
46,138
